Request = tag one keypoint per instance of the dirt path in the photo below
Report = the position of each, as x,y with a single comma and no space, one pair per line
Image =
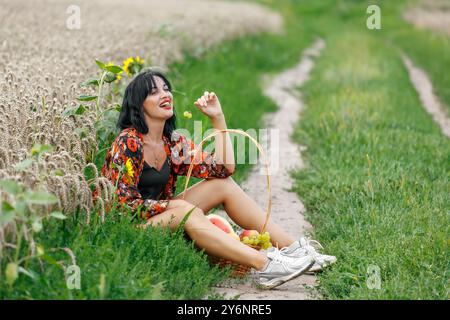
424,88
287,209
430,14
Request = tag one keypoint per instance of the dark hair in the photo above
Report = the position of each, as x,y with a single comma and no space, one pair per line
132,113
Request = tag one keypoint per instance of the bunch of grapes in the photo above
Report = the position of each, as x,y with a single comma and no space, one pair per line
262,240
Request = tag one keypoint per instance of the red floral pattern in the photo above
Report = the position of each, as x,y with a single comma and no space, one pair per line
128,147
132,145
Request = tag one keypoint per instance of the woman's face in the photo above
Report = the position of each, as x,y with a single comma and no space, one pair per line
159,102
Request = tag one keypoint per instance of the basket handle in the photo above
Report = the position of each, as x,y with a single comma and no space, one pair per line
269,202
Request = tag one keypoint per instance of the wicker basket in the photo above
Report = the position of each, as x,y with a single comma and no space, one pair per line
239,270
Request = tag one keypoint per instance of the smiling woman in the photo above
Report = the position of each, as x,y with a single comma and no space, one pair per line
142,91
154,154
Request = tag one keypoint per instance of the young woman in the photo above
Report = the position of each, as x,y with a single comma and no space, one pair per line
153,155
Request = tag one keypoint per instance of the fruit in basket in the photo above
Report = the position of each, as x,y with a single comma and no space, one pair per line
264,240
220,222
223,224
254,238
249,237
249,234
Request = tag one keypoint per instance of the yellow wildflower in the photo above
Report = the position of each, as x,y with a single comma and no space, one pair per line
11,272
133,65
126,65
129,168
187,114
40,250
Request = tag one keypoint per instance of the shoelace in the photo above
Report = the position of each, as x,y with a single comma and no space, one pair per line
311,242
310,250
278,257
285,249
308,243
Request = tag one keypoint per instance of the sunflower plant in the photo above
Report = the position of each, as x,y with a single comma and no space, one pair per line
132,66
105,105
109,74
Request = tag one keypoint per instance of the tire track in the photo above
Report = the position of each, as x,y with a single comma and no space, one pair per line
430,101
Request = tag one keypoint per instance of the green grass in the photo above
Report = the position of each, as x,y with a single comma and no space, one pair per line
134,264
376,185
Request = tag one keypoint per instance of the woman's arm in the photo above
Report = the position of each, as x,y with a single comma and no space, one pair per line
209,104
224,149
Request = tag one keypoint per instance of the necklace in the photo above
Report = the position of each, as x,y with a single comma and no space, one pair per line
156,158
156,161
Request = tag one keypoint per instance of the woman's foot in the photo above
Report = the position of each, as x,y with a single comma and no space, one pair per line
281,268
305,246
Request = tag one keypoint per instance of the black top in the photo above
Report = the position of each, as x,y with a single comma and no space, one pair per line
152,181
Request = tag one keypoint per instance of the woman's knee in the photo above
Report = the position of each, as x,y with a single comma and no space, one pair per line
227,180
193,211
175,212
194,217
179,204
184,207
223,184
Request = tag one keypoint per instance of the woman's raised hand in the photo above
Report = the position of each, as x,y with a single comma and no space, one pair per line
209,104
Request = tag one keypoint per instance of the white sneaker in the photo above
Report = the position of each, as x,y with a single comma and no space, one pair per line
282,268
305,246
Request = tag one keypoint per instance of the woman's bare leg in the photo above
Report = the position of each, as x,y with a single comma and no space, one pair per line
242,209
207,236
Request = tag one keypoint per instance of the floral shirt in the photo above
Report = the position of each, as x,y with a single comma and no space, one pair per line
124,163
